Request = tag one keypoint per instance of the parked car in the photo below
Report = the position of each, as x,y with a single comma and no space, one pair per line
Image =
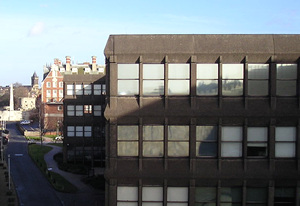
59,138
23,122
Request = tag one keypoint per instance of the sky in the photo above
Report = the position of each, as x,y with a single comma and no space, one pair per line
34,32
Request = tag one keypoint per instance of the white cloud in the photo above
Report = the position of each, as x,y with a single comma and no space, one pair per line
37,29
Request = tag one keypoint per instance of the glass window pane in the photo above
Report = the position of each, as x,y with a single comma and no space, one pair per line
208,133
207,71
285,149
231,149
205,194
127,148
232,133
128,133
258,71
178,149
128,87
207,87
258,88
153,132
153,87
178,133
176,204
257,149
286,88
233,71
257,195
231,194
179,87
232,87
153,71
128,71
177,194
286,71
285,134
179,71
208,149
152,194
153,149
257,133
127,193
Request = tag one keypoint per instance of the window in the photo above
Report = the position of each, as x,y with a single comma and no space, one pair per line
103,89
79,110
179,79
70,110
206,141
258,79
97,89
54,82
232,79
97,110
48,93
231,145
61,93
70,89
153,144
87,109
128,140
54,93
286,83
79,131
177,196
48,84
257,141
127,196
206,196
285,142
230,196
87,131
153,79
178,141
152,196
207,79
128,79
59,108
87,89
70,131
284,196
60,84
256,196
78,89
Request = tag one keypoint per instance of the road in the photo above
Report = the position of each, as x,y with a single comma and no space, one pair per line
32,187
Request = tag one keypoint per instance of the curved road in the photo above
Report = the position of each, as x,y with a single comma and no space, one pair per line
31,186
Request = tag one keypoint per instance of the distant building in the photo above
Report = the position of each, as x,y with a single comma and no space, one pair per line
52,99
84,103
202,120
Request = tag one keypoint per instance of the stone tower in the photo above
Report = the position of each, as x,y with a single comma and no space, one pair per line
35,80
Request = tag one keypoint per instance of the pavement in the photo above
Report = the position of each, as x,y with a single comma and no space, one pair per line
86,194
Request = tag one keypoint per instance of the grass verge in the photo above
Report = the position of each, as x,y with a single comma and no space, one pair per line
37,153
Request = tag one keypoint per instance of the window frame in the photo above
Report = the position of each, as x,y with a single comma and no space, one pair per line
293,78
279,142
159,78
231,77
205,78
147,141
185,79
132,79
237,141
254,80
256,142
184,141
199,140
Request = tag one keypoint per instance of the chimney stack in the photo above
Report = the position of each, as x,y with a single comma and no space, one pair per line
94,66
68,63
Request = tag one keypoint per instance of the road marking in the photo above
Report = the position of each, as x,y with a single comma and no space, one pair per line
18,155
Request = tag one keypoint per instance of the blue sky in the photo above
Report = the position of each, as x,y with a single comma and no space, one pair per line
34,32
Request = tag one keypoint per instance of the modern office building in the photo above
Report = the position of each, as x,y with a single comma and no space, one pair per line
84,103
202,120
